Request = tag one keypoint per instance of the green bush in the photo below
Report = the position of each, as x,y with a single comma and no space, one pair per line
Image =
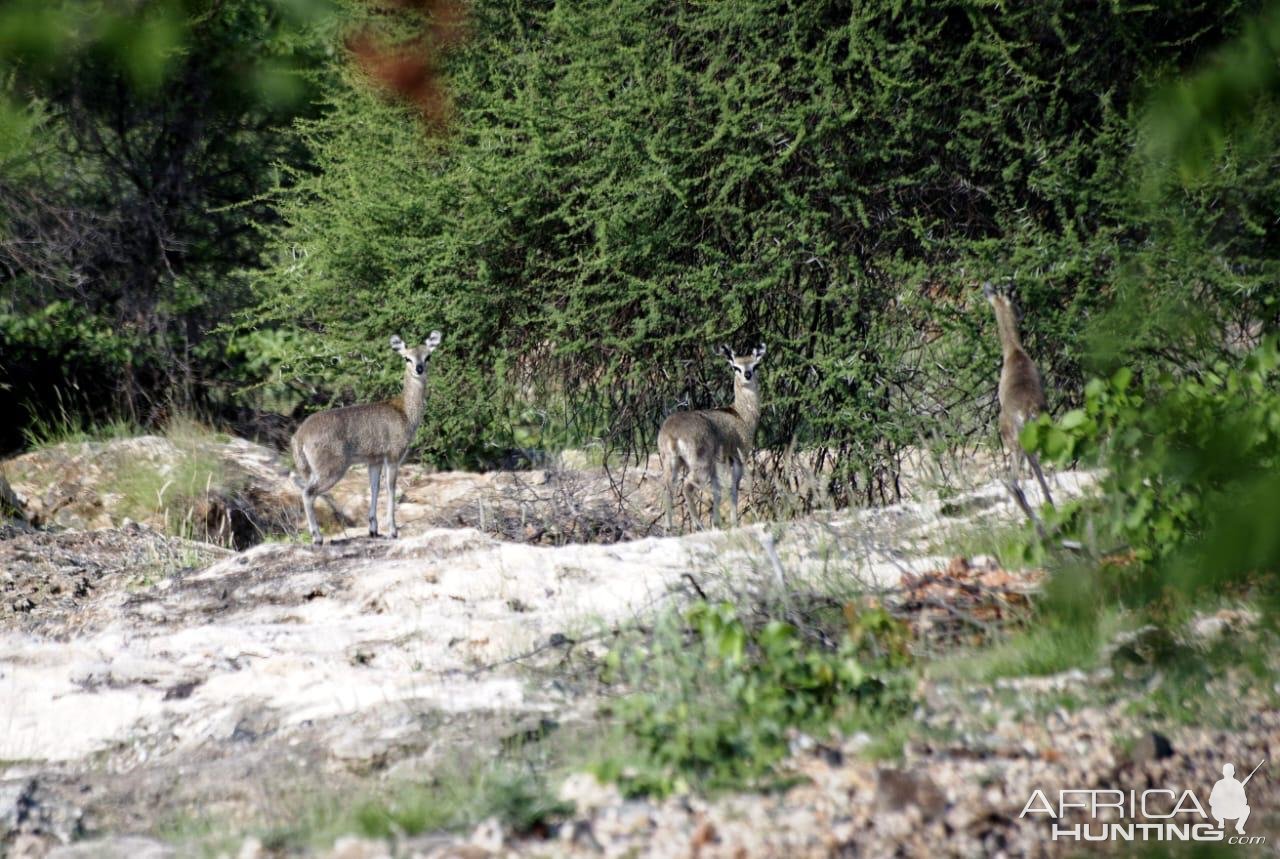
715,701
627,184
1190,481
140,141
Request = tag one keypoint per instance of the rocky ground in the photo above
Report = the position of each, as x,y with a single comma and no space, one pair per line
148,680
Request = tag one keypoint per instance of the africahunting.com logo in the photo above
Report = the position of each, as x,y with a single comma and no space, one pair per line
1158,814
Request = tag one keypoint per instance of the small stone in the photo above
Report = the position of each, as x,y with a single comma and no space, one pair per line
127,847
1147,645
899,790
1218,624
1151,746
855,743
359,848
16,800
488,835
581,833
798,742
586,792
703,835
28,846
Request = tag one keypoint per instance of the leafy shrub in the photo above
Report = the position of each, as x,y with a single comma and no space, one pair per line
627,184
127,206
714,700
1190,486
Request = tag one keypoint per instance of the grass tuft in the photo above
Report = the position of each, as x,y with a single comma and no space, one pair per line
43,432
518,797
176,493
1045,647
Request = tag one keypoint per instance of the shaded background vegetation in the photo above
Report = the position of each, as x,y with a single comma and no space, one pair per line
142,140
621,187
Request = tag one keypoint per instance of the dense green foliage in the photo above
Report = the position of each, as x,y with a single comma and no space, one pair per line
627,184
1190,487
130,198
1189,451
1190,122
716,700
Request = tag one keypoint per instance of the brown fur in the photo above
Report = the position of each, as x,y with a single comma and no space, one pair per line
1021,393
691,444
377,435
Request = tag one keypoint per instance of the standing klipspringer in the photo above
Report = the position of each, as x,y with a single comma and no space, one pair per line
1021,397
690,444
376,434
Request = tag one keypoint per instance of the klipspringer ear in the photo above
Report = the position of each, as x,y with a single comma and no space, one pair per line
726,352
397,343
758,352
432,341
